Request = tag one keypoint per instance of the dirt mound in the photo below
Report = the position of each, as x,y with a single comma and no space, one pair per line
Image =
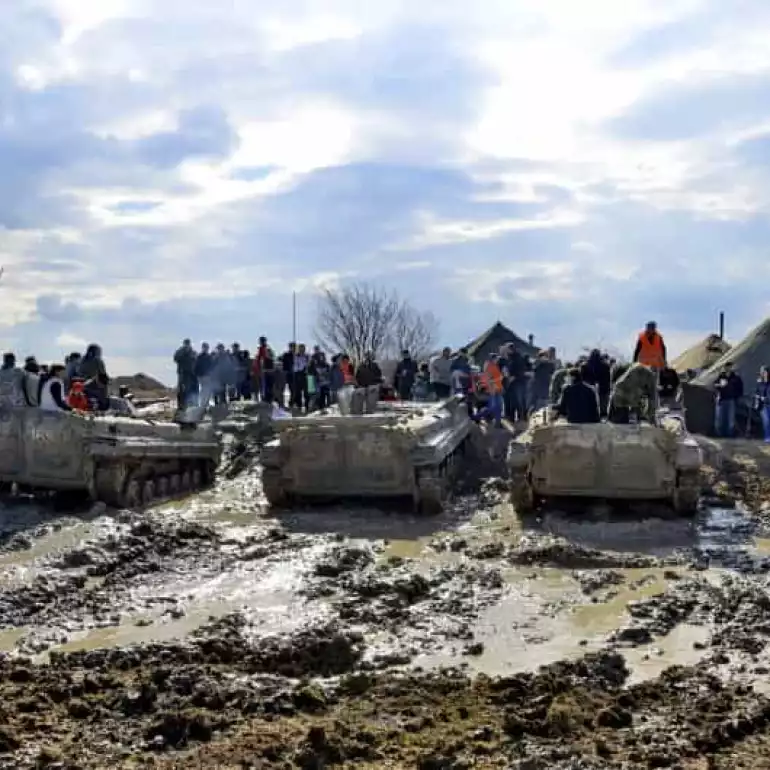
560,552
568,715
394,598
316,651
140,384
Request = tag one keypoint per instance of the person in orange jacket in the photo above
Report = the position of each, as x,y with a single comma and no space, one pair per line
650,349
492,383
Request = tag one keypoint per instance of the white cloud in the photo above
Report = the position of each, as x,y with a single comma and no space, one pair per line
200,162
68,341
309,137
437,233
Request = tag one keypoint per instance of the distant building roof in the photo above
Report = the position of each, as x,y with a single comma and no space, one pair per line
702,355
752,352
494,338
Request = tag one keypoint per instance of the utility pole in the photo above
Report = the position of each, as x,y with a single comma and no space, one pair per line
721,324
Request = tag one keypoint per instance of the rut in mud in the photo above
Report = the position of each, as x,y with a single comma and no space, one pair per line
212,633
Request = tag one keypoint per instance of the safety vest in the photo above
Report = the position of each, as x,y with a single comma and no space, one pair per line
493,378
651,351
47,403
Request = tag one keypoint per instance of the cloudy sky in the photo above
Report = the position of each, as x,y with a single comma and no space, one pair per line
178,168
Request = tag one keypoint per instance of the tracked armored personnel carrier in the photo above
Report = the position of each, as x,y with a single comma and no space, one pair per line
123,461
554,459
390,450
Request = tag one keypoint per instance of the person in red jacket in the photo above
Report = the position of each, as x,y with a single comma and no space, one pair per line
77,398
263,370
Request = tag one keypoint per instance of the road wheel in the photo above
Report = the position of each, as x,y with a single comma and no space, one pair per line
148,492
522,496
132,494
163,487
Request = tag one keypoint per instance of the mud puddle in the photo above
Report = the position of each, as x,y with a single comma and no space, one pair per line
546,617
237,635
470,597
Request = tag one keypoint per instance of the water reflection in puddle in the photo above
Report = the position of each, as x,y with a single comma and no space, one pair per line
546,618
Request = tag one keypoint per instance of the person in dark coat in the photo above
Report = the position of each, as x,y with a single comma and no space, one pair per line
668,386
406,372
596,372
368,372
287,370
515,394
729,392
579,402
204,364
94,374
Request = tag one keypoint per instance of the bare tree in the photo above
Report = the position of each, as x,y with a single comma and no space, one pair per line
414,331
357,319
360,318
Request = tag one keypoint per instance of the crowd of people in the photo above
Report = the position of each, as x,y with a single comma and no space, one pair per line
79,383
507,385
305,380
298,378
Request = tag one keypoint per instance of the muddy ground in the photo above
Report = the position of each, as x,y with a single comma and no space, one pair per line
214,633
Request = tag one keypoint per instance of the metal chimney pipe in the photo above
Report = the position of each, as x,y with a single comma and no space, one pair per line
531,338
721,325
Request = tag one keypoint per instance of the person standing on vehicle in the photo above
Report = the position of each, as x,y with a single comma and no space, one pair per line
650,349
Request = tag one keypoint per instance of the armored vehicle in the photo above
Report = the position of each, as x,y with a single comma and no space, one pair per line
252,420
614,462
398,449
122,461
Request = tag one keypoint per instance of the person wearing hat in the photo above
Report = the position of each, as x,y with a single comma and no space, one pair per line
650,349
